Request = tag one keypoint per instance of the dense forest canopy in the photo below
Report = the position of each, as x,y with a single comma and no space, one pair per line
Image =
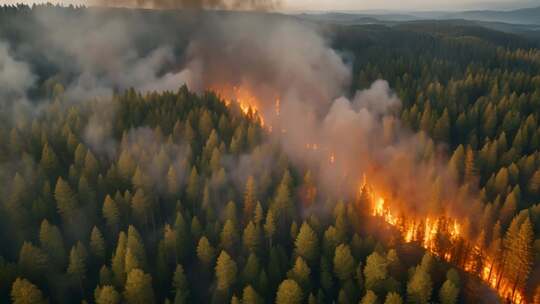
120,184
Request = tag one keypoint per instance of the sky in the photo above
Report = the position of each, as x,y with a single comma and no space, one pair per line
394,5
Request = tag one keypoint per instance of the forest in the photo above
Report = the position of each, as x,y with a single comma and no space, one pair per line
137,191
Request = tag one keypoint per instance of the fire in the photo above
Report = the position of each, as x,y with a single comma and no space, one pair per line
248,103
441,236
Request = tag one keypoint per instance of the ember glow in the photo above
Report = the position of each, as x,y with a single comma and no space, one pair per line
443,237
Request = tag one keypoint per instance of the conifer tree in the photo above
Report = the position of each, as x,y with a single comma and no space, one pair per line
307,244
24,292
289,292
138,289
226,271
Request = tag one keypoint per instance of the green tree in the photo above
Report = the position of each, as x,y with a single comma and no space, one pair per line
300,273
344,264
111,213
66,201
107,295
97,244
138,289
32,260
226,271
118,260
52,243
289,292
448,293
393,298
250,296
228,236
251,270
369,298
375,272
24,292
205,252
419,287
250,237
270,226
307,243
249,198
180,285
192,189
49,160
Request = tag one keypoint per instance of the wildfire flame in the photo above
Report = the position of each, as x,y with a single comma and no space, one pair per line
442,236
248,103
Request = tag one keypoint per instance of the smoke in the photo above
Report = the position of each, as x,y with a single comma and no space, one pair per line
103,55
15,76
299,84
192,4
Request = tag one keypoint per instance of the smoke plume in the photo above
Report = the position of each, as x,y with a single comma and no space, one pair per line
299,84
192,4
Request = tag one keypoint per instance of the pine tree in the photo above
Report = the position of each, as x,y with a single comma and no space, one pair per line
77,264
250,296
49,160
251,270
258,214
393,298
250,238
183,237
32,260
448,293
105,276
180,285
344,264
226,271
52,243
300,273
111,213
228,236
419,287
24,292
289,292
369,298
107,295
307,244
66,201
205,252
118,260
173,182
270,226
141,207
249,199
97,244
138,289
375,271
471,172
131,261
192,189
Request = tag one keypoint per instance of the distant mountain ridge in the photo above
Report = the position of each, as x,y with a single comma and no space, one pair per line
529,16
519,16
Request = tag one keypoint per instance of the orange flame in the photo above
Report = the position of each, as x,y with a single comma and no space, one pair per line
428,231
248,103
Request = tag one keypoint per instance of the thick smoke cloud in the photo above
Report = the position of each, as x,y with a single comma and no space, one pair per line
15,76
192,4
102,55
320,128
295,79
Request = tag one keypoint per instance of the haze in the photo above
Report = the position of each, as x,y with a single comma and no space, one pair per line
342,5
